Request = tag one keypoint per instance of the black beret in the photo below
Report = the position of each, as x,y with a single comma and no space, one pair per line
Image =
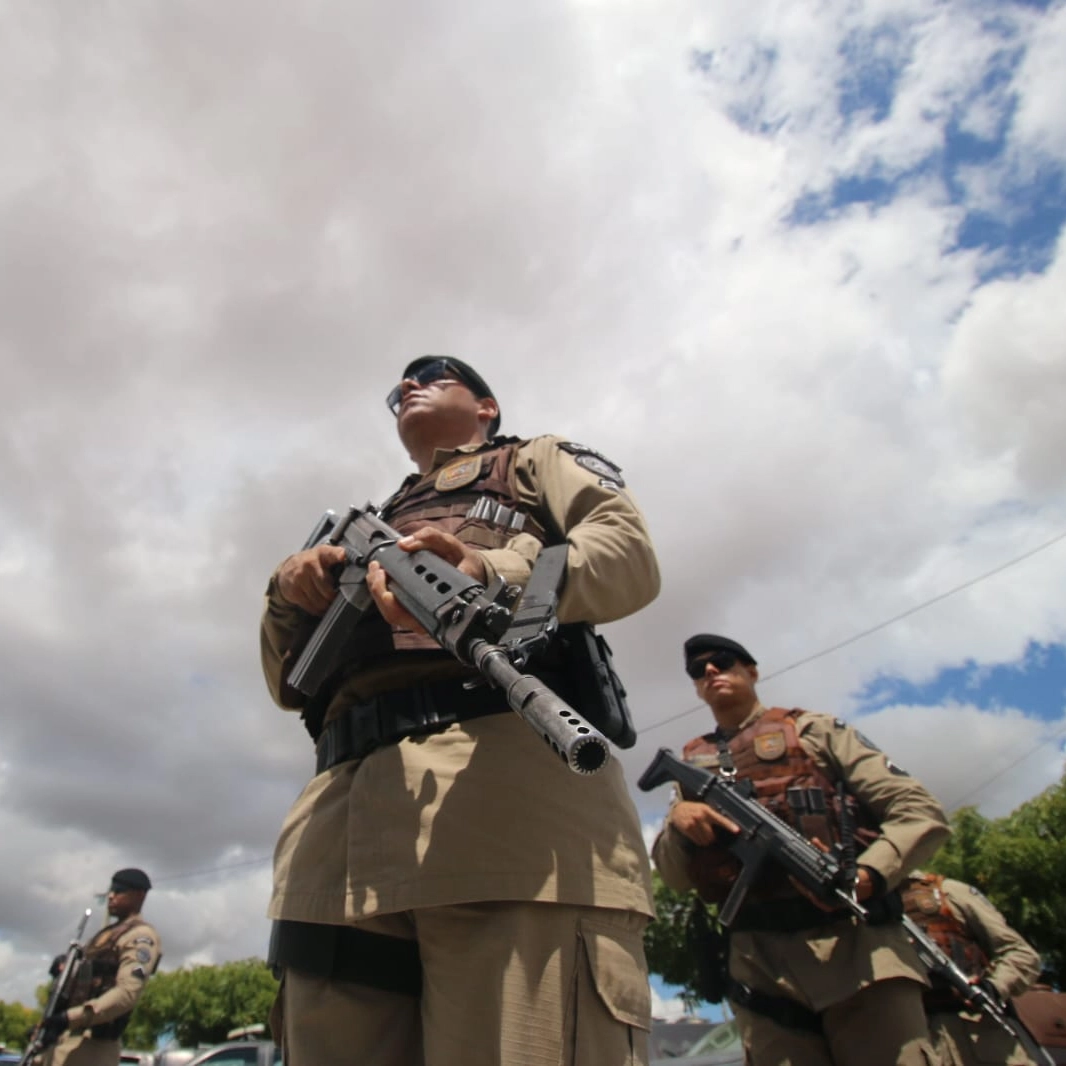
702,643
466,373
131,879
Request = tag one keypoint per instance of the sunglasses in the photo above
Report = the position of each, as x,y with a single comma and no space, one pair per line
440,370
720,660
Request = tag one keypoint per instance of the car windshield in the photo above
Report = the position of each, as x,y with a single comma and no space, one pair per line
717,1039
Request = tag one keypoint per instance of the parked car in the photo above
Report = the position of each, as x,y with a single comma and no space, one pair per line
719,1046
240,1053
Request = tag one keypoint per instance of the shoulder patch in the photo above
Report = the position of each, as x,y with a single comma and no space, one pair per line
595,463
866,741
144,940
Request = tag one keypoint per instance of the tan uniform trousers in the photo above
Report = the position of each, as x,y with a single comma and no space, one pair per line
504,984
883,1025
974,1040
80,1049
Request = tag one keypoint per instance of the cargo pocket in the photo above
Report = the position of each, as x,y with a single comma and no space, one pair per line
612,999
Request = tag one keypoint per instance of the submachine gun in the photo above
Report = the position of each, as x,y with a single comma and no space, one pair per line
478,625
828,876
60,994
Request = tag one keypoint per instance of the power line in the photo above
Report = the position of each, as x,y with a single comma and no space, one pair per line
777,673
881,625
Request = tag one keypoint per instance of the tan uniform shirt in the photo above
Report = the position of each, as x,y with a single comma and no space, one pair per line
139,951
481,811
825,966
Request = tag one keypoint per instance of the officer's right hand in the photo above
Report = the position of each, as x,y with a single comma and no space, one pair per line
306,579
699,822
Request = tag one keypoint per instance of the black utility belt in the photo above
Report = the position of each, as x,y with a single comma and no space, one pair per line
415,711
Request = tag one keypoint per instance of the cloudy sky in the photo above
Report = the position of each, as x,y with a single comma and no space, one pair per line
798,267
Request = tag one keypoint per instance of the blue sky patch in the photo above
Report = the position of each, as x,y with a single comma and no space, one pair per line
1035,684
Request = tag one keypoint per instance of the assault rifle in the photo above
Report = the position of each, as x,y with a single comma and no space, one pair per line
829,876
762,837
476,624
57,999
942,966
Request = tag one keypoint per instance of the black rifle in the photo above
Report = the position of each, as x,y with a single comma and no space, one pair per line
762,837
476,624
941,966
57,999
829,876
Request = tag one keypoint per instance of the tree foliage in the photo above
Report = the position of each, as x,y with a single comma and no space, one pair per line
201,1004
666,939
1019,862
15,1023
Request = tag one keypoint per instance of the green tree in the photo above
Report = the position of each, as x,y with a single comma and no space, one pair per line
667,942
201,1004
16,1022
962,857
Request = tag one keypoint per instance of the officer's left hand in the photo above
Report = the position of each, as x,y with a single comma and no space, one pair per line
450,549
864,884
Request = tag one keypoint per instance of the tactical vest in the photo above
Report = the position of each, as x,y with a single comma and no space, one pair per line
98,971
926,904
787,782
473,496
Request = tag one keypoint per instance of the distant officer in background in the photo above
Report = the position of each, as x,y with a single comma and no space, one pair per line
809,986
117,964
977,938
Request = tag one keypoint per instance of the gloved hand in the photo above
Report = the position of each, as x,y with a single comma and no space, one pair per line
52,1027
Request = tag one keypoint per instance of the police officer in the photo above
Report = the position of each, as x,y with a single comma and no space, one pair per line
117,964
977,938
809,986
445,889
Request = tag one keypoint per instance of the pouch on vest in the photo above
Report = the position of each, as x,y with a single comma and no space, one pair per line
589,682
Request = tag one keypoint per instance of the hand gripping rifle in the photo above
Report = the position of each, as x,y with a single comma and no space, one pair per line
829,876
940,965
763,837
57,999
476,624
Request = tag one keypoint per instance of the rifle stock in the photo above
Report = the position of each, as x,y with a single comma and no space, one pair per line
467,619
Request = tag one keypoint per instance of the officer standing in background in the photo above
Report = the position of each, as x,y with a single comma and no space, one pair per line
445,889
117,964
809,986
977,938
